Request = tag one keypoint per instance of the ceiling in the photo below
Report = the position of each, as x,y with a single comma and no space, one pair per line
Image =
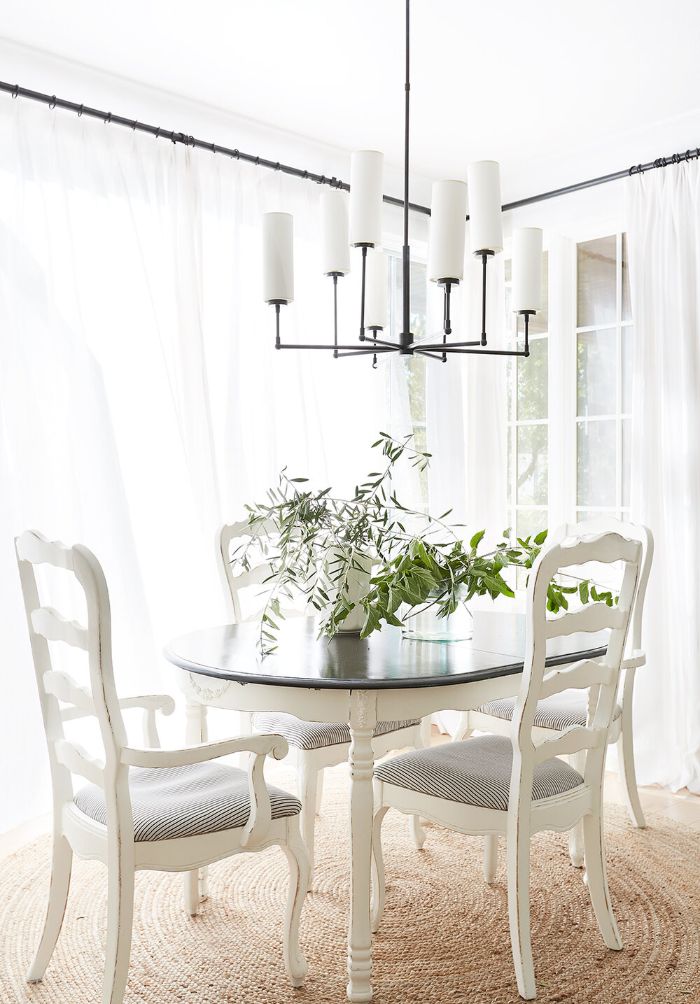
555,90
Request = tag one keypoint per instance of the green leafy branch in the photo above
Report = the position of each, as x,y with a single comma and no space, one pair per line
320,548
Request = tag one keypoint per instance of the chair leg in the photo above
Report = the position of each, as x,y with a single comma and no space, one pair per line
597,881
299,878
463,731
578,762
518,856
625,756
195,883
58,897
319,792
490,857
378,876
120,917
308,787
421,741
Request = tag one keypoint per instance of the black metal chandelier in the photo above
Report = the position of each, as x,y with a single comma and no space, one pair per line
361,228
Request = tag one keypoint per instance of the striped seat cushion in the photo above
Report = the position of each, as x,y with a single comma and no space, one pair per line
475,772
561,711
315,735
186,801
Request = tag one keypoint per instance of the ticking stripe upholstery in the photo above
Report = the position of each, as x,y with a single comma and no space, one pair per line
186,801
475,772
560,711
315,735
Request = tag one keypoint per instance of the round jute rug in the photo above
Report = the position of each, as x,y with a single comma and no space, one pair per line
444,936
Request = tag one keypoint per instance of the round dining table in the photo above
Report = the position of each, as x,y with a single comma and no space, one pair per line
353,681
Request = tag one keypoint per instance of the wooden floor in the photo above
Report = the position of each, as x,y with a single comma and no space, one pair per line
682,806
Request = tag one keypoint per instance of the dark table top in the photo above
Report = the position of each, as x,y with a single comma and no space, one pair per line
385,660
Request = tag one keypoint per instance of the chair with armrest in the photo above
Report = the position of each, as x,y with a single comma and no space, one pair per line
142,808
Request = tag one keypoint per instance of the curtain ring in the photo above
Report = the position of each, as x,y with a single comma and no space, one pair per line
277,166
80,110
134,124
52,102
213,148
15,91
157,133
108,118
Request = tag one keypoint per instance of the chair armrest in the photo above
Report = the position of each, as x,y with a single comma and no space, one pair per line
260,746
149,704
267,745
635,659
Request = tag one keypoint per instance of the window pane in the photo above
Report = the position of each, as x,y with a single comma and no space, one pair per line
530,521
596,282
626,459
626,303
532,465
532,381
627,362
510,465
595,463
596,365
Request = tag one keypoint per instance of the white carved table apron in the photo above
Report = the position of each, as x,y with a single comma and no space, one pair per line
385,678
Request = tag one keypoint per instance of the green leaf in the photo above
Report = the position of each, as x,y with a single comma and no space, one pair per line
476,539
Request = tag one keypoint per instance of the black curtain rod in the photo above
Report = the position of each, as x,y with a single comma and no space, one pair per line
321,179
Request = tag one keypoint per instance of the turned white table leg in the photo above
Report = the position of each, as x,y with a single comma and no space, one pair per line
363,718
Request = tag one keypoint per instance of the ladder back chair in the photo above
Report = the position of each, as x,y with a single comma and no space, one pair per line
566,709
517,786
317,745
142,808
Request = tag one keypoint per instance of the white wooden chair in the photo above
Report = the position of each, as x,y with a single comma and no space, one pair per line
317,744
563,710
150,808
493,785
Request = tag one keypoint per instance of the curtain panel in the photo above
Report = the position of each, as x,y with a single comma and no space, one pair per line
664,253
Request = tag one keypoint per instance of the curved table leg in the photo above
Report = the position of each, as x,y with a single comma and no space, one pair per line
363,718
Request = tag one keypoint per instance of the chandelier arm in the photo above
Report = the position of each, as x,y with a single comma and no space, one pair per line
439,346
379,341
365,352
486,352
331,347
439,356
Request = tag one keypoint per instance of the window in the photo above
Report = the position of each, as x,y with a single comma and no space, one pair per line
528,419
603,377
569,404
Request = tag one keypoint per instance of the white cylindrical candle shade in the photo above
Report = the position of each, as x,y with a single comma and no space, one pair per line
448,210
376,290
366,186
527,269
485,226
278,257
335,244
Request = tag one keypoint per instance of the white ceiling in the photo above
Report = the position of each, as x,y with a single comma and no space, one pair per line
555,90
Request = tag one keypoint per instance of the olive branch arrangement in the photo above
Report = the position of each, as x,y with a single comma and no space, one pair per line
373,551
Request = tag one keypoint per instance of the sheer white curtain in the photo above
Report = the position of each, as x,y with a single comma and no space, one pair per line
664,252
141,399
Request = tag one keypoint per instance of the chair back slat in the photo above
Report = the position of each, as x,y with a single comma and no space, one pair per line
36,550
579,676
595,617
51,625
77,761
571,740
237,579
65,689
